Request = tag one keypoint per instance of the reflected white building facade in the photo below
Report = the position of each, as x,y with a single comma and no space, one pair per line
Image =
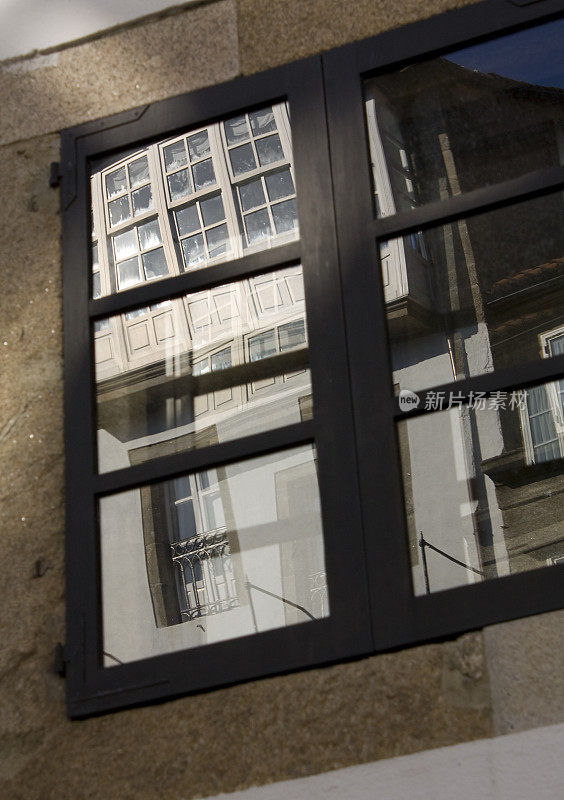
236,549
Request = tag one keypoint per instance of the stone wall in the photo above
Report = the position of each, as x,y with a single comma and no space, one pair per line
479,685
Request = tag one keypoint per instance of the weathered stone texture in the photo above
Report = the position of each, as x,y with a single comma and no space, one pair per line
273,32
525,663
123,70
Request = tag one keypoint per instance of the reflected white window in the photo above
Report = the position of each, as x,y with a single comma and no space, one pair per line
128,191
139,255
189,165
543,424
202,231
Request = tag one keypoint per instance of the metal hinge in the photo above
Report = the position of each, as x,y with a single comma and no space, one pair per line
61,660
55,175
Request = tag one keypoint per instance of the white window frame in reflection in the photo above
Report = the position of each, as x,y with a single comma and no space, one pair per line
555,408
138,252
128,191
204,594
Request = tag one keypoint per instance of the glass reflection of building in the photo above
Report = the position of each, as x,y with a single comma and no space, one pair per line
482,486
175,376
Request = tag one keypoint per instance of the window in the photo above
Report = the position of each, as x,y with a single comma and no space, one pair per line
327,339
128,191
543,423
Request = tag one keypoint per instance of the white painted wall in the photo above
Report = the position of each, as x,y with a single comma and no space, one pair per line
28,25
520,766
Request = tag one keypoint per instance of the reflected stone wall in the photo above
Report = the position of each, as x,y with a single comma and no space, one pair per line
258,732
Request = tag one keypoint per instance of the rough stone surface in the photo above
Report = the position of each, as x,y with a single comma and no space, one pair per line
525,663
273,32
126,69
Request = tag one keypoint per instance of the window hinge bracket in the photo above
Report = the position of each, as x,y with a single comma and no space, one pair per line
55,175
61,660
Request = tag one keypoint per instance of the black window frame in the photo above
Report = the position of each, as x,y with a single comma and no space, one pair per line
399,616
345,308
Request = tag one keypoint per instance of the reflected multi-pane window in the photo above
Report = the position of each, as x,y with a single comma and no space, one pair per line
128,191
203,198
268,206
139,254
253,141
220,360
188,165
543,422
277,340
188,342
202,231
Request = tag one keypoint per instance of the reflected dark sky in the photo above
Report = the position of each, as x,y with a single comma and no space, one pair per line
533,56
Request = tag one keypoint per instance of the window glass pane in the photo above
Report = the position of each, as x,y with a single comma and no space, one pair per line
221,360
258,226
269,150
262,121
292,334
95,259
212,210
279,184
480,299
185,517
187,219
198,145
138,172
201,367
262,346
249,204
218,240
149,234
119,210
137,312
242,159
125,244
193,248
252,195
498,513
128,273
142,200
198,336
154,263
175,156
236,130
285,216
96,288
203,174
116,182
179,184
244,563
470,118
557,345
